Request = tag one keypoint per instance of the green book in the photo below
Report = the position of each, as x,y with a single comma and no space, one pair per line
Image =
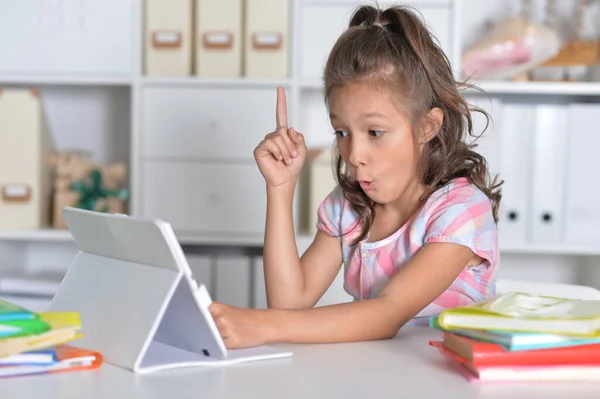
10,311
18,328
520,312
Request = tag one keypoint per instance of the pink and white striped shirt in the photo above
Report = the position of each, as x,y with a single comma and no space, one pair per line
456,213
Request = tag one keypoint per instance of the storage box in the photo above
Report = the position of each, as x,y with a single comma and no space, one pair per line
168,41
81,184
267,38
218,39
25,146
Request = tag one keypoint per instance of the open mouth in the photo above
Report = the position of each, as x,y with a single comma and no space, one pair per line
366,185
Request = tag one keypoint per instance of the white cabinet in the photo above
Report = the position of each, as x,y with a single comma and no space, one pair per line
207,122
203,270
206,198
233,280
58,37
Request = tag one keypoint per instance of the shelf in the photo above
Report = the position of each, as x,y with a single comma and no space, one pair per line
523,88
256,241
311,84
207,82
537,88
46,235
65,80
303,241
548,249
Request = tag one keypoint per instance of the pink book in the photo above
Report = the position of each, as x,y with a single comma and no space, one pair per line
549,373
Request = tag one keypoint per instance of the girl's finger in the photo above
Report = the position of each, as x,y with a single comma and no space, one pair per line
283,147
281,111
292,144
297,138
270,147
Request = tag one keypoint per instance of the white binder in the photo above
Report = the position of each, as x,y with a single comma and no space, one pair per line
267,38
582,214
168,41
548,174
138,301
218,40
517,124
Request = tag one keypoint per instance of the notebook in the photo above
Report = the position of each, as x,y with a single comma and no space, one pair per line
518,341
520,312
129,266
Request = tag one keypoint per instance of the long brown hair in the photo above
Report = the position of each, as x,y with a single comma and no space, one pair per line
394,49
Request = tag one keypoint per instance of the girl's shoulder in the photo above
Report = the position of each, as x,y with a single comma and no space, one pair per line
336,214
460,192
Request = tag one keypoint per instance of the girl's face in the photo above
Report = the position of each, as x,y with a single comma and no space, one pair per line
375,140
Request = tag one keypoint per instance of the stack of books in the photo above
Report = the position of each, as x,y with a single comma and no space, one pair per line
36,343
522,337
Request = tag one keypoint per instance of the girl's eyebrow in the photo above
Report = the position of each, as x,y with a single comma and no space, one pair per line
366,115
374,115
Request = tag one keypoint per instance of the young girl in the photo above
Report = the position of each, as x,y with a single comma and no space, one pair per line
413,218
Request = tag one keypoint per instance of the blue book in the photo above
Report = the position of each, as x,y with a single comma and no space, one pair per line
10,311
517,341
41,357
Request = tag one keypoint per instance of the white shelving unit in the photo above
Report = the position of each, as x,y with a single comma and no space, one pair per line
94,97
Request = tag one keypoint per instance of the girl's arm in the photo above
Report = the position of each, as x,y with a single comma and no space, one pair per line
293,282
431,271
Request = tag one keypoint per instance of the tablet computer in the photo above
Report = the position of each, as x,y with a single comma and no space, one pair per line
138,300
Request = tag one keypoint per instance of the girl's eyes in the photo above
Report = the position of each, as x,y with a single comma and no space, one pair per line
372,133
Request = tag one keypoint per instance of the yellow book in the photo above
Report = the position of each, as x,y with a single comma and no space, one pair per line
64,328
520,312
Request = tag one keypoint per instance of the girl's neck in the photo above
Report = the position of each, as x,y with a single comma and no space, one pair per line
407,204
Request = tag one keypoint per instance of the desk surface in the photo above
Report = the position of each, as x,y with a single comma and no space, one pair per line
404,367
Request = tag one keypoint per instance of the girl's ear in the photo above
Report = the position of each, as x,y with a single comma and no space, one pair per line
432,123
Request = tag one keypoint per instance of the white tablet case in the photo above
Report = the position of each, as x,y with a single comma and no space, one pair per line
139,304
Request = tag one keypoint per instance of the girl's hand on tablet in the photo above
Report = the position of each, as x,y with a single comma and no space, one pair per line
240,327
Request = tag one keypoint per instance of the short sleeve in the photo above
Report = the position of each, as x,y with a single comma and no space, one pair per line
335,215
329,213
464,216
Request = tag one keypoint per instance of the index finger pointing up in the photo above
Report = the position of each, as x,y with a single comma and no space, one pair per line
281,112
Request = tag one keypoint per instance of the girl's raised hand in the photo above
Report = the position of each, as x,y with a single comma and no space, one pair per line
281,154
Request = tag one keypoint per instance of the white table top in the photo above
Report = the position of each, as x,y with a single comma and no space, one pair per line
404,367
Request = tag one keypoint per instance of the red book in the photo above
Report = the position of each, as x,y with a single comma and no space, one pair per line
469,351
